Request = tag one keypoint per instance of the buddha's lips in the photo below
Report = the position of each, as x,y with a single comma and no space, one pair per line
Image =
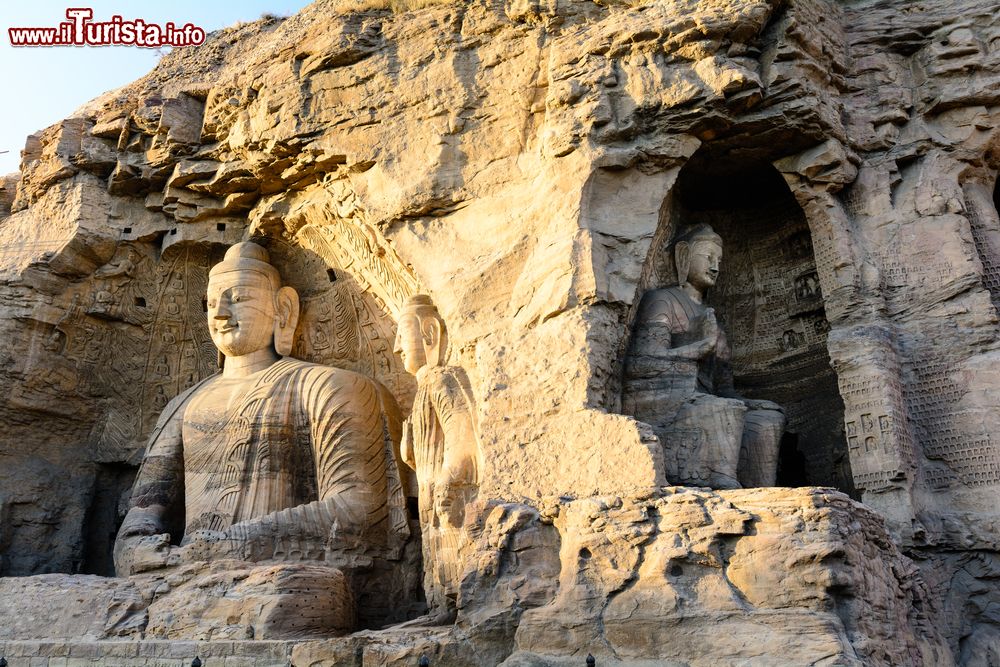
227,328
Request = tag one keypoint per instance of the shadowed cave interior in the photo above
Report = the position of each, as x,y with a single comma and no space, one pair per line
769,302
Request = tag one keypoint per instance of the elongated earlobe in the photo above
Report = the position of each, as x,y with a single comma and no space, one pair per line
431,334
286,317
682,255
430,331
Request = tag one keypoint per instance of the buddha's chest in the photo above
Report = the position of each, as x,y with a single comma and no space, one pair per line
218,399
217,415
237,425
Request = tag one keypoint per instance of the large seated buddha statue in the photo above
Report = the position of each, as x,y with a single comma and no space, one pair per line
272,461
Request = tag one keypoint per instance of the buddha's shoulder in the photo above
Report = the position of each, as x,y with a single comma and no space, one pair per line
330,376
671,293
664,298
443,376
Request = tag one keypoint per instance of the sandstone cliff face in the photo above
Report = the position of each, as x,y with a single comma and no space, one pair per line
524,162
762,576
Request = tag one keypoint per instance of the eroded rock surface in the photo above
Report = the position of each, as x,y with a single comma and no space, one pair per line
689,577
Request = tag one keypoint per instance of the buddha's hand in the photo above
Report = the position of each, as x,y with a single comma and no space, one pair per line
406,444
206,545
759,404
142,553
709,333
450,497
704,330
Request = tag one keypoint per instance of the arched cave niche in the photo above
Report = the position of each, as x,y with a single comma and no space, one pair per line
139,357
996,194
982,206
988,251
769,303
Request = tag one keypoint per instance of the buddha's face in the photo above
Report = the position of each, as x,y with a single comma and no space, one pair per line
241,312
409,344
703,267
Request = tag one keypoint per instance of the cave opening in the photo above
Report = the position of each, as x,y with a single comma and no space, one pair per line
112,482
769,302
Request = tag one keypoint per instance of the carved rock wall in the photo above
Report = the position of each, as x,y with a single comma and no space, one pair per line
689,577
793,576
517,160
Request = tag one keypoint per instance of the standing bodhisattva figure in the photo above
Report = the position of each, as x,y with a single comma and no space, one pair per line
440,444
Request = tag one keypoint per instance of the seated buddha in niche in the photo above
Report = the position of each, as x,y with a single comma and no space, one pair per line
272,460
678,379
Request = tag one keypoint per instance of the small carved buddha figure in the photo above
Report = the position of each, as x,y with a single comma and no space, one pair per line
274,459
679,380
440,444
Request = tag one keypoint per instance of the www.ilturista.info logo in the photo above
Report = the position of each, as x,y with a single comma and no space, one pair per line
80,30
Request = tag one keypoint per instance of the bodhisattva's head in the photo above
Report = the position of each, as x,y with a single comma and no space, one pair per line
421,337
248,309
697,253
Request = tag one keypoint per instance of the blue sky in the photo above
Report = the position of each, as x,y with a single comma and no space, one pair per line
41,86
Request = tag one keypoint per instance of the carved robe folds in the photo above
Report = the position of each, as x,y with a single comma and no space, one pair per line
439,443
292,463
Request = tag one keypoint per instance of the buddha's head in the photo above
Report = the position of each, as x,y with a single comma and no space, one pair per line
421,337
248,309
697,253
